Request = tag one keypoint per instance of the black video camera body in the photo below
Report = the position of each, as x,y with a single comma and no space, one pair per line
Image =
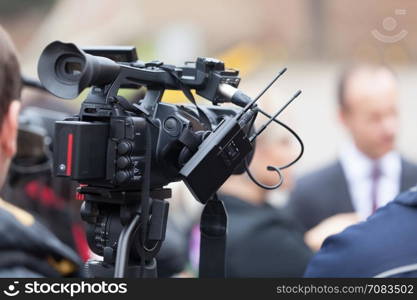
124,153
112,154
104,146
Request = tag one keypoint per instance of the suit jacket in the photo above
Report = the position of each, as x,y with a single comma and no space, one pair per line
262,241
324,193
382,246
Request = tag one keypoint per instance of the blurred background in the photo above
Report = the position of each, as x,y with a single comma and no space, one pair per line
314,39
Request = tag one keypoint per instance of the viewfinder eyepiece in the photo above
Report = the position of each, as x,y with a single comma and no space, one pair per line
65,70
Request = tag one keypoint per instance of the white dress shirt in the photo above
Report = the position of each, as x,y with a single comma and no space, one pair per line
358,169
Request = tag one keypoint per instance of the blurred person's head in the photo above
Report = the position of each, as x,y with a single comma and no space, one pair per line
10,86
274,148
368,99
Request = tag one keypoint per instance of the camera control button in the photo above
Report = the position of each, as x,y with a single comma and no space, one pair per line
172,126
123,162
122,176
124,147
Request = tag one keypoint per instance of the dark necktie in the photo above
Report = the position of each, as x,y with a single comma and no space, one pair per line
375,177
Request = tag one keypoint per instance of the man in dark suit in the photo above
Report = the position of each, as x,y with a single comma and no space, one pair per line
369,172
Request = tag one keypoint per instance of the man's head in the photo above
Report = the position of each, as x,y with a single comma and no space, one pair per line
368,99
10,86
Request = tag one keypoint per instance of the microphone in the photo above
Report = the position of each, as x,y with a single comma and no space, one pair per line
239,98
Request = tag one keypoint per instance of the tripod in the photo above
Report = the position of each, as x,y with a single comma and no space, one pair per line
120,229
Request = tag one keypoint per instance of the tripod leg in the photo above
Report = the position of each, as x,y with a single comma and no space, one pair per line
123,247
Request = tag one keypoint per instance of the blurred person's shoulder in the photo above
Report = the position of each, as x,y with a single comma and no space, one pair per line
27,245
409,172
383,245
